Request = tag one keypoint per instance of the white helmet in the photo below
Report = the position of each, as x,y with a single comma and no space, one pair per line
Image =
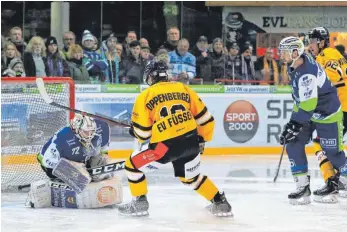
292,44
84,127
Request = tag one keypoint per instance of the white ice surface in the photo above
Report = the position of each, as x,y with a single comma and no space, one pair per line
258,204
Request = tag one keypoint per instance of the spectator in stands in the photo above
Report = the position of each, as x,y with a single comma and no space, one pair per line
119,48
35,62
69,39
341,49
96,45
267,68
247,65
96,66
110,54
10,52
233,64
146,53
283,73
182,62
144,42
212,66
16,37
131,36
77,70
15,69
200,47
200,51
57,65
132,67
163,55
173,36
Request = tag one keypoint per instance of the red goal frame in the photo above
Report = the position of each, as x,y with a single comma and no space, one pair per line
32,80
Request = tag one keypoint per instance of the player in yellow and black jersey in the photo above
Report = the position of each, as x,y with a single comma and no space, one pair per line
335,66
175,123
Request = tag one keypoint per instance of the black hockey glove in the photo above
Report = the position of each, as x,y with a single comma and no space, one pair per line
201,144
290,133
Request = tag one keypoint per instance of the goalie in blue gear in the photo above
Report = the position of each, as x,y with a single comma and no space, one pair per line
65,159
316,107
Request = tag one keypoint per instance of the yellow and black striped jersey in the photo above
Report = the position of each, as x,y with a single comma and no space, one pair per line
335,65
168,110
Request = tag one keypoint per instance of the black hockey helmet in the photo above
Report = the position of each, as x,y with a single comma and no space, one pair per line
155,71
319,33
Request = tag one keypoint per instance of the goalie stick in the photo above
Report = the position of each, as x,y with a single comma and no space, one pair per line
41,86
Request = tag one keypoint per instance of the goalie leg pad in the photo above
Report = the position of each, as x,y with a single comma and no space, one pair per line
40,194
45,193
72,173
100,194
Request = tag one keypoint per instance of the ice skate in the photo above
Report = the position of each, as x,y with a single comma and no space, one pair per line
328,193
137,207
342,186
302,195
220,207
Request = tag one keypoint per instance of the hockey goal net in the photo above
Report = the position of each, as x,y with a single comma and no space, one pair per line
27,123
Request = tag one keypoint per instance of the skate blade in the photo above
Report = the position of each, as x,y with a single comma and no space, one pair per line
343,194
329,199
229,214
300,201
137,214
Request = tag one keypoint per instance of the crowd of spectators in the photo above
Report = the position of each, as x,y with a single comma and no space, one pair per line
113,61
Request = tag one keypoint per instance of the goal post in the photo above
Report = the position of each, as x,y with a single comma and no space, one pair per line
27,123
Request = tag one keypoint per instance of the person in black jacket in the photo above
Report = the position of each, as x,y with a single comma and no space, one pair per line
173,36
35,62
132,66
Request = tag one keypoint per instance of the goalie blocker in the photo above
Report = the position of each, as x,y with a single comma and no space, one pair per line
45,193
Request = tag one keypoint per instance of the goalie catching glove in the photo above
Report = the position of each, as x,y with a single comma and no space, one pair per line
291,132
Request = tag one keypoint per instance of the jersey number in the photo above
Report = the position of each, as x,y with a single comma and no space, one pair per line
174,108
75,151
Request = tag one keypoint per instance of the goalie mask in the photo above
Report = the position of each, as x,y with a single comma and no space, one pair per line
155,71
84,128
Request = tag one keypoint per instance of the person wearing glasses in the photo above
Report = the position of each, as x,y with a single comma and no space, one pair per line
69,39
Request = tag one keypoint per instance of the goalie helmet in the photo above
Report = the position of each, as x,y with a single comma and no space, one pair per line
84,128
291,44
155,71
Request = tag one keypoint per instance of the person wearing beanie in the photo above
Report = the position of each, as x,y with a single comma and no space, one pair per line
57,65
233,65
92,60
132,66
247,65
146,52
15,69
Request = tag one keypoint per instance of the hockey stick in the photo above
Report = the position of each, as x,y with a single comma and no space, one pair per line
41,86
107,168
279,164
95,171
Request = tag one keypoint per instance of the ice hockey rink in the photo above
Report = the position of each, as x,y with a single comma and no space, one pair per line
258,204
